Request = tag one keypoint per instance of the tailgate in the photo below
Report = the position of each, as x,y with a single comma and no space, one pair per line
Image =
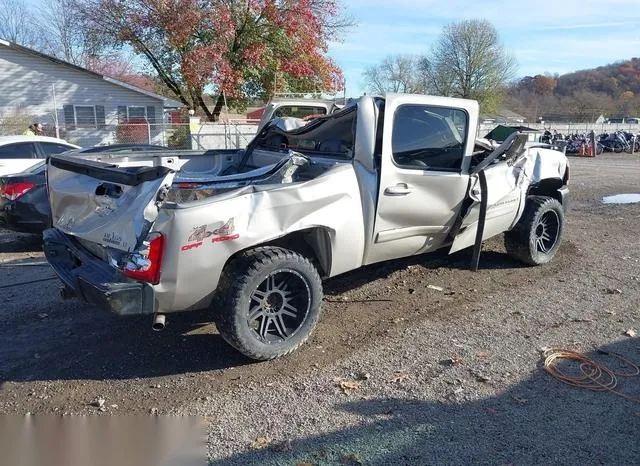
105,203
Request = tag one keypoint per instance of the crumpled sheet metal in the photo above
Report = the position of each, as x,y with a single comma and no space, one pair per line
278,174
507,186
118,222
193,264
289,123
536,165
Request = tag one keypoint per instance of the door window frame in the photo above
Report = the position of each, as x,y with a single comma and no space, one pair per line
33,145
464,143
42,144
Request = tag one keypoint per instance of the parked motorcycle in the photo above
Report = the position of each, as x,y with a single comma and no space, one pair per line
618,142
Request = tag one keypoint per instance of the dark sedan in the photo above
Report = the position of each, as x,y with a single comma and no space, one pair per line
24,205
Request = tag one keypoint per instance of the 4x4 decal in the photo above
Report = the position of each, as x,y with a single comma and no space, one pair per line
218,232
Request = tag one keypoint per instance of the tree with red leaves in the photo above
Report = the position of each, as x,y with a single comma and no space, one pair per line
234,49
122,70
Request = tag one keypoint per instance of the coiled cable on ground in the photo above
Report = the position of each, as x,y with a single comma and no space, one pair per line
593,375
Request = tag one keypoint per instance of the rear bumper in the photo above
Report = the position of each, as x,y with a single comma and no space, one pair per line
93,280
564,197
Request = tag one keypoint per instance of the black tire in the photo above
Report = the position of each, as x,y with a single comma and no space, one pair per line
599,149
269,302
537,236
617,147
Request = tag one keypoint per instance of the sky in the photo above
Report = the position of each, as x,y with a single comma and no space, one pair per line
544,36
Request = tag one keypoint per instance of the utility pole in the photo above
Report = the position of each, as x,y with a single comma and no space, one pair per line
55,111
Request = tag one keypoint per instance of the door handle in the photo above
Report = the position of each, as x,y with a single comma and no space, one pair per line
401,189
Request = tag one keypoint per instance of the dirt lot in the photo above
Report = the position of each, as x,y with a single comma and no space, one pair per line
382,327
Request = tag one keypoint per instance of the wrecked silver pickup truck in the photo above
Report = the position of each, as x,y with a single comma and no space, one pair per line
251,234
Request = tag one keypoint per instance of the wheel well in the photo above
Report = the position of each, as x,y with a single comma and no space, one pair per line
548,187
312,243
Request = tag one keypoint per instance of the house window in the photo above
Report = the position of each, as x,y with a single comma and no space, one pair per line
85,116
136,113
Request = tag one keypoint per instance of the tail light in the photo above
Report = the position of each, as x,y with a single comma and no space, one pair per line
146,264
565,178
13,191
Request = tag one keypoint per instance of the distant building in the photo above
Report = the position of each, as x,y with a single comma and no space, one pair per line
81,106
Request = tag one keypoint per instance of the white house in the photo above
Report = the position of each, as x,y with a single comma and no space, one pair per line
81,106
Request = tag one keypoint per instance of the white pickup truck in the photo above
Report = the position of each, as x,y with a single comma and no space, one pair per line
251,234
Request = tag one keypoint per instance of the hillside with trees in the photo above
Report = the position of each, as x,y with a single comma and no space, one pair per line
611,90
613,80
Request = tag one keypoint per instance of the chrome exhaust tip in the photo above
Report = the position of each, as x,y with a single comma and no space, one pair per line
159,322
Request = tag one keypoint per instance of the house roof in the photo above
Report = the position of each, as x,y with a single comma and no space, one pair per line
167,102
256,114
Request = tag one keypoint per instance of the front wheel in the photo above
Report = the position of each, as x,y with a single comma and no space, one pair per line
536,237
269,302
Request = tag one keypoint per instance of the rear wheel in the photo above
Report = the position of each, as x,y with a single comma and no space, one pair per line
269,302
536,237
618,147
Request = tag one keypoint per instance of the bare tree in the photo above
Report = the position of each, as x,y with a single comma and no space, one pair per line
17,24
65,35
397,73
469,61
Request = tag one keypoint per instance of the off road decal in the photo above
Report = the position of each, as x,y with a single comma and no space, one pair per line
219,232
220,239
189,247
216,229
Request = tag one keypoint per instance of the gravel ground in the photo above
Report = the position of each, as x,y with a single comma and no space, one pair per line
396,373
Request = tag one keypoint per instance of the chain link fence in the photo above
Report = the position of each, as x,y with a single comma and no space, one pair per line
567,128
224,135
229,135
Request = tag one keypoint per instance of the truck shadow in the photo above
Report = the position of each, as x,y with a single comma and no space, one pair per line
538,421
44,338
492,258
58,340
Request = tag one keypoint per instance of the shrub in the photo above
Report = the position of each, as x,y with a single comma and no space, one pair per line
180,138
15,122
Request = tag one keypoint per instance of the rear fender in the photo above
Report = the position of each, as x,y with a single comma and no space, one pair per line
313,243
